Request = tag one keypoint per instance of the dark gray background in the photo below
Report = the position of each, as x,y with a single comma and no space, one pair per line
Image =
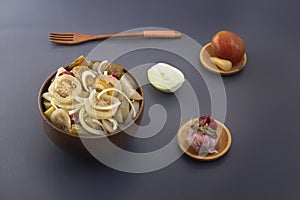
262,101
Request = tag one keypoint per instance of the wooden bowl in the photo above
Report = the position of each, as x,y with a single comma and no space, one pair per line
74,143
207,52
224,141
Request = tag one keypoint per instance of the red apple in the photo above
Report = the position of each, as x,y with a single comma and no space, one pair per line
228,45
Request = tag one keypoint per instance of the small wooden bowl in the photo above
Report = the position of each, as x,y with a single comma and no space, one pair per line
76,143
224,141
207,52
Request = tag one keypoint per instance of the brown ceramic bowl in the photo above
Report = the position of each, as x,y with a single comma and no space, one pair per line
77,144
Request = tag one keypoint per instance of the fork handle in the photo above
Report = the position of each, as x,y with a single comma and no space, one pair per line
162,34
146,34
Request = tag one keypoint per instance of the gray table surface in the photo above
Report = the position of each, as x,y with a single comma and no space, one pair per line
262,101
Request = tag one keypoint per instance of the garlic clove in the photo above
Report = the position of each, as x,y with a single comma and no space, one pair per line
224,64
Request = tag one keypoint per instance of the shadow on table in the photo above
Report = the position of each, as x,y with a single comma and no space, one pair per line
206,164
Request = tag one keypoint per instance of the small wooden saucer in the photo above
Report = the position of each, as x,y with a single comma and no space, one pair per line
224,143
207,52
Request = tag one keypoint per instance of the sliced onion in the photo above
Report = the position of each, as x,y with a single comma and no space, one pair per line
100,124
85,126
114,122
122,93
50,98
99,114
71,112
79,99
84,76
97,122
128,119
100,66
53,104
110,107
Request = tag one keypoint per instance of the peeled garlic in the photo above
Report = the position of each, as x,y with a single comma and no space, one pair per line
224,64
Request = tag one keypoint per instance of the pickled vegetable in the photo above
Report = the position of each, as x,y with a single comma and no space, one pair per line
84,98
49,112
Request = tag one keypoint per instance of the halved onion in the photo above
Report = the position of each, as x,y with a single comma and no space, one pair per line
165,78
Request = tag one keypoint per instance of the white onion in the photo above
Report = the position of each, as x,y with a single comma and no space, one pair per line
56,104
85,126
164,77
100,65
53,104
110,107
79,99
84,76
122,93
71,112
114,122
97,122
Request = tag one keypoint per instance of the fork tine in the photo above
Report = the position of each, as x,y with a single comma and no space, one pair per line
60,37
61,33
61,42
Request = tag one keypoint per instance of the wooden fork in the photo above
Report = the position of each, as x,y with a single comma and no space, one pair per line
75,38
